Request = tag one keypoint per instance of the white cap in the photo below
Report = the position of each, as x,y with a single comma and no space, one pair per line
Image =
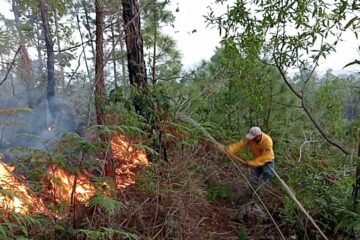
253,132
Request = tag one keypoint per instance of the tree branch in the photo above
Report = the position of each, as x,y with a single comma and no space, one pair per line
11,65
312,119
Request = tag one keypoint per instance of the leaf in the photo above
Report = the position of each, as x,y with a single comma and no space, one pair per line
352,63
3,231
108,204
350,22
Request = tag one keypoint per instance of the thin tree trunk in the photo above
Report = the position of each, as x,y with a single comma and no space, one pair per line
114,53
50,58
123,66
90,90
15,9
100,85
267,119
356,186
87,26
154,46
83,46
62,72
99,64
26,68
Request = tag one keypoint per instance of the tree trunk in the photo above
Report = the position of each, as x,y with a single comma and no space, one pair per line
99,64
154,80
100,86
26,67
113,42
87,26
122,59
50,93
59,56
134,43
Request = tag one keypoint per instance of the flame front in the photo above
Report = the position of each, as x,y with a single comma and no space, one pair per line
69,187
14,195
128,159
65,187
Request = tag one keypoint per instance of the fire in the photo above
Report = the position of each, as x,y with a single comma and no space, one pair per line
69,187
128,159
65,187
14,194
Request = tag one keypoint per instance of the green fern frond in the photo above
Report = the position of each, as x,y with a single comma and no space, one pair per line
112,232
25,220
108,204
145,148
22,238
3,232
106,234
126,129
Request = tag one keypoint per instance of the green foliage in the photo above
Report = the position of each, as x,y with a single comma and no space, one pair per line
288,211
329,99
326,193
109,204
146,179
106,234
167,59
18,226
243,235
219,191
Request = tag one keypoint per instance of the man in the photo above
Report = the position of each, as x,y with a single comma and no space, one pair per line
261,147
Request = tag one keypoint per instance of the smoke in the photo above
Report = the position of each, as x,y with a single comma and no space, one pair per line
27,122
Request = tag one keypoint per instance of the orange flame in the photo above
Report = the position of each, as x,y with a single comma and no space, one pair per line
64,187
128,159
69,187
14,194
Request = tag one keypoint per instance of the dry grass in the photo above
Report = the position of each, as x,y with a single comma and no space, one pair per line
169,202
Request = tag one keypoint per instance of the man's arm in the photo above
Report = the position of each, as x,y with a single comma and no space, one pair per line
235,147
267,155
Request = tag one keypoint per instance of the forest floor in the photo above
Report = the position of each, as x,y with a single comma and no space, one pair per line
198,194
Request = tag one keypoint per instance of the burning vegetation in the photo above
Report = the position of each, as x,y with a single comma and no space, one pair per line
16,195
128,157
64,188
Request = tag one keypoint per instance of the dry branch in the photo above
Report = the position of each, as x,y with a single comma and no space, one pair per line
11,65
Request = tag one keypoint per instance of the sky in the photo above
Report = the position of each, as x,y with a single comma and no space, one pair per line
200,44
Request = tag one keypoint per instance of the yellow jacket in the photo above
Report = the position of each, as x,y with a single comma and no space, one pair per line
262,152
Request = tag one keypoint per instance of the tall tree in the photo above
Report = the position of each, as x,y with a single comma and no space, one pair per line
100,84
50,93
134,43
99,63
25,61
161,52
291,34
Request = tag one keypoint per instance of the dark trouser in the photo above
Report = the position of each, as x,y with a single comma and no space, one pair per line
265,171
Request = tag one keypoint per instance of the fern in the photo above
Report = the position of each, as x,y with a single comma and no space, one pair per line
25,220
219,191
3,231
22,238
106,234
108,204
243,235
